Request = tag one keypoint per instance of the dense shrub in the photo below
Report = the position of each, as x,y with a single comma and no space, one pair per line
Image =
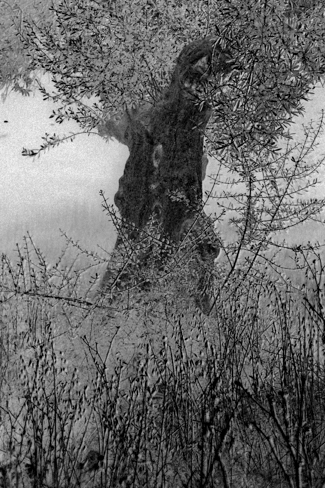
234,398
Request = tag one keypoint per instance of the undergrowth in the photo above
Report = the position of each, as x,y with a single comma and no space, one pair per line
160,395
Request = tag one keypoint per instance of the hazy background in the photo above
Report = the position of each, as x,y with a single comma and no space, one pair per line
60,189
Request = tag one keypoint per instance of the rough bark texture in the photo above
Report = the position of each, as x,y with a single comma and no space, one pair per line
163,175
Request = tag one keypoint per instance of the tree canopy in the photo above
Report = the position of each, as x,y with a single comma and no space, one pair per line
123,53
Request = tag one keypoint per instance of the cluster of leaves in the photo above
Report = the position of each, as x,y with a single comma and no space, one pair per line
15,71
279,59
111,50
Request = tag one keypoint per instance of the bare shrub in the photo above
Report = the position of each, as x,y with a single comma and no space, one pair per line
233,399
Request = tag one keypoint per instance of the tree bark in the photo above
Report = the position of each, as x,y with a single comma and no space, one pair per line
163,175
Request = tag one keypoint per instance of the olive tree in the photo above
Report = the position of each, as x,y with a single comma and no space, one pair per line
177,83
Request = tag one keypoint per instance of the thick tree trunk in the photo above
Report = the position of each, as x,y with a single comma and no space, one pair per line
163,175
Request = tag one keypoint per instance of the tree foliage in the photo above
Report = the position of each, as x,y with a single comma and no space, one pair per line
123,53
15,73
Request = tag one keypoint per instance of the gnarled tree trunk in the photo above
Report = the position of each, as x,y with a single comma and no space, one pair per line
163,175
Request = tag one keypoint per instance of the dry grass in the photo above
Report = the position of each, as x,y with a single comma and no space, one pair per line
148,392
